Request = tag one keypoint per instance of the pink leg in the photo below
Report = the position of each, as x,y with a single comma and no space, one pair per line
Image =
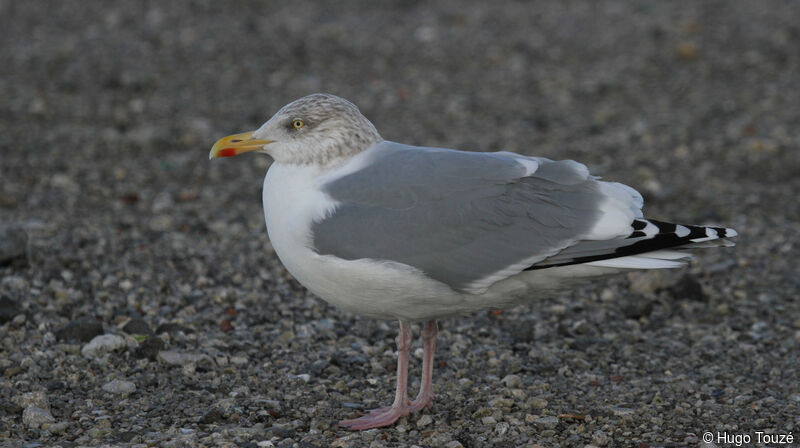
400,408
425,397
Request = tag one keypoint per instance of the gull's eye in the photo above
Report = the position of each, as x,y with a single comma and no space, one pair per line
298,123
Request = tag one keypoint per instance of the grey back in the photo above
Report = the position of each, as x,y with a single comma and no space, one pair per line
459,217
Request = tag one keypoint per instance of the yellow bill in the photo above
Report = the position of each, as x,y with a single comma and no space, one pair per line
233,145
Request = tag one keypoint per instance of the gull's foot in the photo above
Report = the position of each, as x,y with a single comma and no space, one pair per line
377,418
421,402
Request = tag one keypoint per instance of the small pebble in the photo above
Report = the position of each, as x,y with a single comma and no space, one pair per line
149,348
137,326
8,309
270,404
501,402
239,360
512,380
501,428
424,421
102,345
344,442
34,417
549,422
688,288
304,377
180,358
58,428
119,387
621,412
13,243
83,329
37,399
600,438
98,432
537,403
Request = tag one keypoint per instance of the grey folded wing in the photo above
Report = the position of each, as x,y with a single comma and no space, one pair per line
466,219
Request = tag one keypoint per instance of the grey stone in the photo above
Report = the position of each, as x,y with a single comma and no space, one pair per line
37,399
8,309
501,428
512,381
174,358
212,416
102,345
137,326
621,411
537,403
149,348
424,421
83,329
58,428
34,417
600,438
120,387
688,288
636,306
13,243
548,422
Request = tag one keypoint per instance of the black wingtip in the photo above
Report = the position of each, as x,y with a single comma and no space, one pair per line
650,235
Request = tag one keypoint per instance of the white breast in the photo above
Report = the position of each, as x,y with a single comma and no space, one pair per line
291,201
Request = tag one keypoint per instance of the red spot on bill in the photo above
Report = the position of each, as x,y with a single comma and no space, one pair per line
226,152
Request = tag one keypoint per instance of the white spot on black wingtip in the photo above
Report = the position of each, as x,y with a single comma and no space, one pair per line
725,232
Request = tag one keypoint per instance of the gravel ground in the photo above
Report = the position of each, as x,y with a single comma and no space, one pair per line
114,223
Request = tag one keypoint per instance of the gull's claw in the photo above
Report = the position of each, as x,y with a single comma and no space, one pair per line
377,418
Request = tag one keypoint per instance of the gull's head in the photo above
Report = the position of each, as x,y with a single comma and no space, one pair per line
317,128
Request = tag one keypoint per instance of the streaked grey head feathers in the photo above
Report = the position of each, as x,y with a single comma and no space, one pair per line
317,128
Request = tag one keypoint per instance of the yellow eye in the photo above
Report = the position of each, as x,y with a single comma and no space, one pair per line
298,123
